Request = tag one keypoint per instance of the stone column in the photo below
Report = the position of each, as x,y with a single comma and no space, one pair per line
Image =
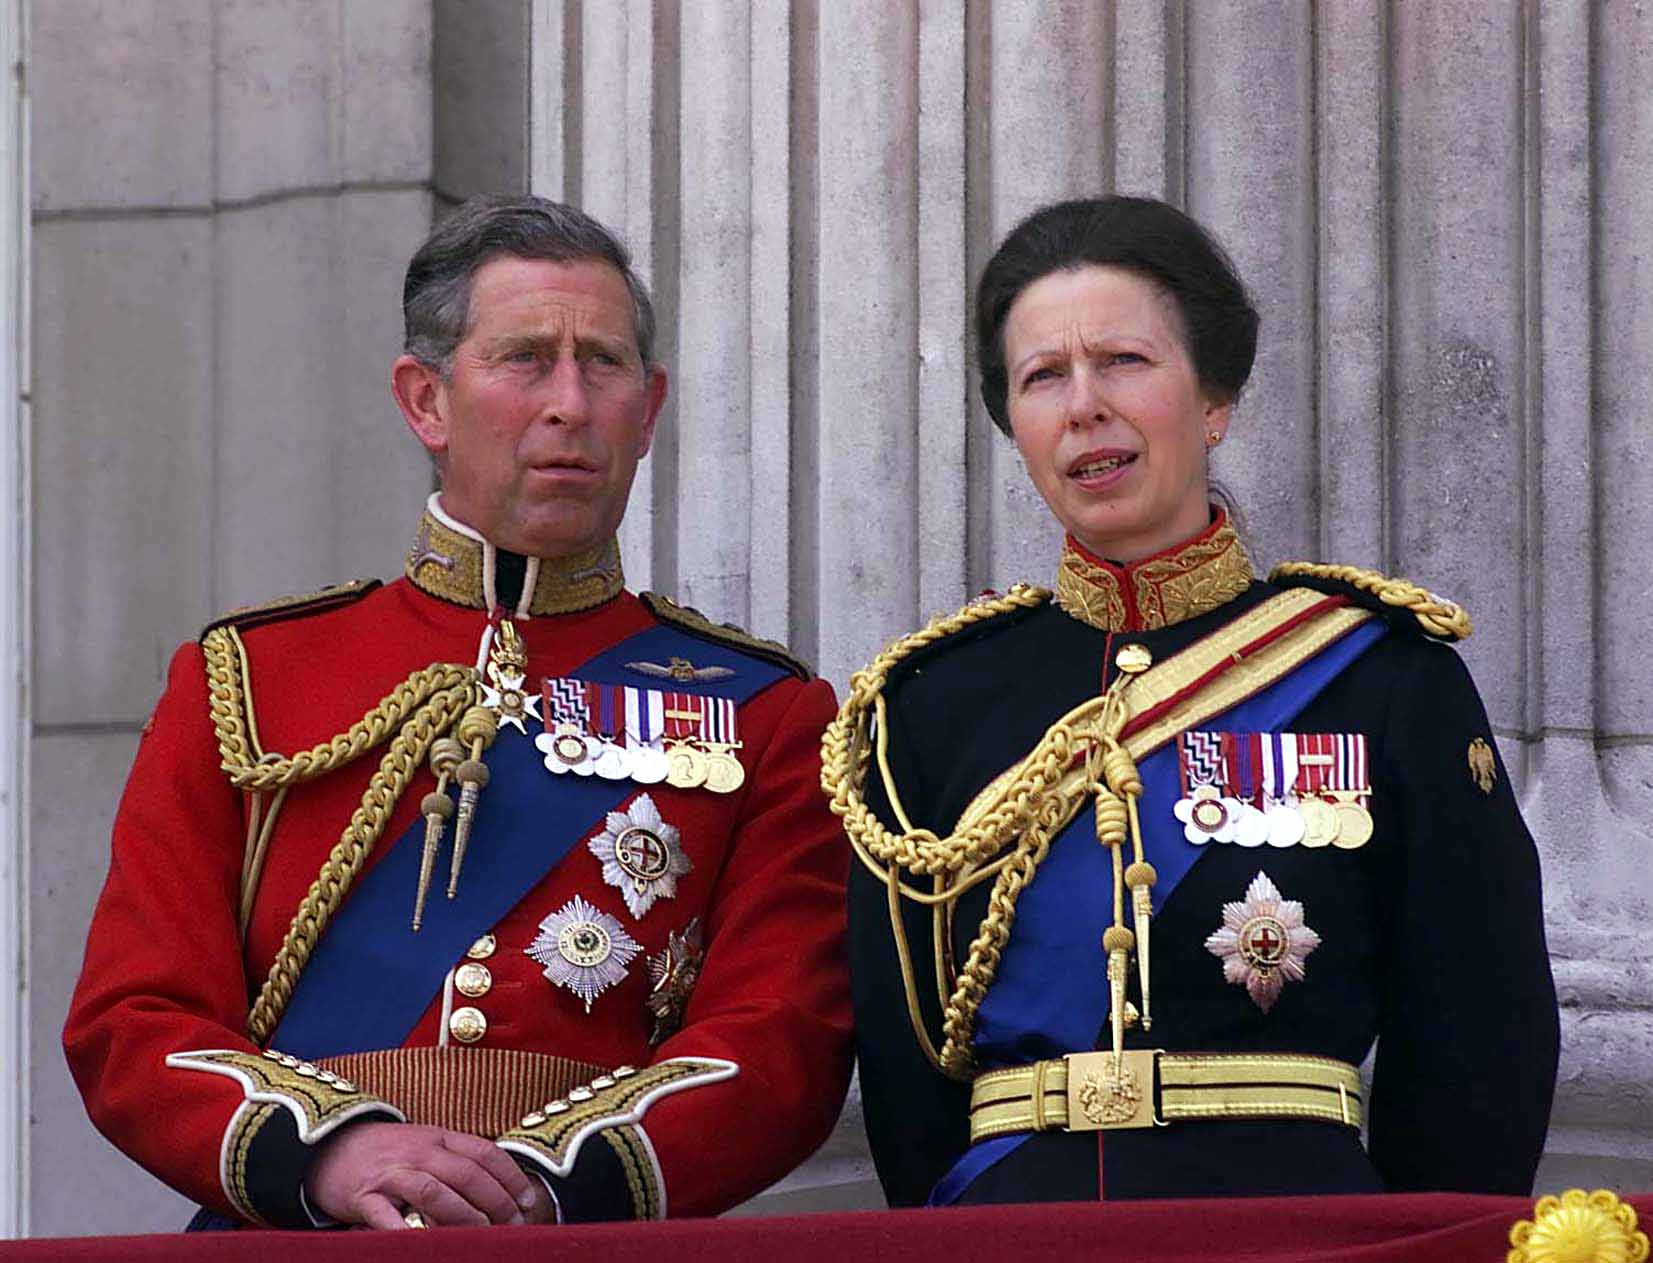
1438,207
14,621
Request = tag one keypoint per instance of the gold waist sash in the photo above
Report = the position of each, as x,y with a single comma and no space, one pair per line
483,1091
1147,1087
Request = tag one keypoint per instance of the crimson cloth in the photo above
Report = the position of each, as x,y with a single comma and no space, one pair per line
1406,1228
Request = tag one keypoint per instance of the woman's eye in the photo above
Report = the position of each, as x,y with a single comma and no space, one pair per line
1126,357
1046,373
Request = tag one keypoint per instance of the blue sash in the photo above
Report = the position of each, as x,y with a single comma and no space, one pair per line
372,977
1040,1004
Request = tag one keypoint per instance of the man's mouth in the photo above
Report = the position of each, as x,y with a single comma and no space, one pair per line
564,466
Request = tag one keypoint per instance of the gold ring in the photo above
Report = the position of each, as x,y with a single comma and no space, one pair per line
413,1219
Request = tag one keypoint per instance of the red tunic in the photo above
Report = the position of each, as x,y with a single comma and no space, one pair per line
166,971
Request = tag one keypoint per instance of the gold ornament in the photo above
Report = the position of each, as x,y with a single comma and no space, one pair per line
1483,768
1579,1227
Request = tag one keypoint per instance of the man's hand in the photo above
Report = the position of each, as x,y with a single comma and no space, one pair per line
370,1173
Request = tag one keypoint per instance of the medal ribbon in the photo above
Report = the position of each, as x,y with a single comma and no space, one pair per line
1349,772
717,721
605,710
1248,759
1314,756
564,702
682,715
1279,765
645,716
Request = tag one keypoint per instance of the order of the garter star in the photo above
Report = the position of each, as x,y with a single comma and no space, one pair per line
1263,942
642,855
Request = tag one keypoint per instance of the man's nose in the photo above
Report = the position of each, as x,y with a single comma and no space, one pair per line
565,401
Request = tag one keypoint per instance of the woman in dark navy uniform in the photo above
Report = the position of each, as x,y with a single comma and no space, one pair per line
1149,862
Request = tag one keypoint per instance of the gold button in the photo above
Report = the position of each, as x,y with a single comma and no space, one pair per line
467,1025
482,948
473,979
1133,659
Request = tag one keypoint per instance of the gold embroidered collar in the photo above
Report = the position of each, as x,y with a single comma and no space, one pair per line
451,561
1170,587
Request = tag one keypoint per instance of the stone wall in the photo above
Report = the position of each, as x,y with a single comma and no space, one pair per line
225,195
1439,206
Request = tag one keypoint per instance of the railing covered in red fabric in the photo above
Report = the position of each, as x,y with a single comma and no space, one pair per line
1410,1228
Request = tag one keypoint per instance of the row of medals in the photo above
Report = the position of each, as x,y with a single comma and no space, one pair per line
683,764
1336,818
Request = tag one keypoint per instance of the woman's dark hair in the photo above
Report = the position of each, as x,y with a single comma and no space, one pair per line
1141,235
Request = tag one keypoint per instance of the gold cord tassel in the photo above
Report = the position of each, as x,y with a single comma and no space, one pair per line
445,754
1125,781
477,729
1111,820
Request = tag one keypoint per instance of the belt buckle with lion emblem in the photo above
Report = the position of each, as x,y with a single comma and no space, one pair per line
1110,1091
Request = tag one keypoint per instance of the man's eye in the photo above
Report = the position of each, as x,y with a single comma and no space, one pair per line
522,357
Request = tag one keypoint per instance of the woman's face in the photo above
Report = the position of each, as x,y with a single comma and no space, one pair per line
1107,410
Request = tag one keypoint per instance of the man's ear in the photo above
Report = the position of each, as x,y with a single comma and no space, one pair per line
421,394
654,398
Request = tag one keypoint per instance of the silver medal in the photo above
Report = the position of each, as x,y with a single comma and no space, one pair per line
611,763
649,764
1285,824
1250,825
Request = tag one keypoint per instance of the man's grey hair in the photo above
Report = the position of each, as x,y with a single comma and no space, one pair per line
436,296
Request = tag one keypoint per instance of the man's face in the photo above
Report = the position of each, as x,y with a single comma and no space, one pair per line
547,409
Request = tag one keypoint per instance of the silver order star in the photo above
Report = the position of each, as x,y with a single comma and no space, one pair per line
1263,942
584,949
510,700
642,855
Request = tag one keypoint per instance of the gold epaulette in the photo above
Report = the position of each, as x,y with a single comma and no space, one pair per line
697,624
284,607
1434,615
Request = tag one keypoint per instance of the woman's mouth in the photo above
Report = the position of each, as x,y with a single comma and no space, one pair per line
1099,467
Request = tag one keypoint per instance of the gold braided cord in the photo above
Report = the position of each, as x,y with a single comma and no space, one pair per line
1437,616
248,766
1034,805
1007,830
399,765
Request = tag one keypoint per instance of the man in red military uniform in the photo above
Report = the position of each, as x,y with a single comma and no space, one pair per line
496,893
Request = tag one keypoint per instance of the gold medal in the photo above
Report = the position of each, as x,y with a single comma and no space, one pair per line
724,774
687,766
1354,822
1319,821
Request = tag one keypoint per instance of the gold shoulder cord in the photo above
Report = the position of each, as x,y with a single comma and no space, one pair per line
417,711
1004,836
1438,617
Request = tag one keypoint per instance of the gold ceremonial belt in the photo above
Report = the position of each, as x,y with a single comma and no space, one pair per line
1148,1087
